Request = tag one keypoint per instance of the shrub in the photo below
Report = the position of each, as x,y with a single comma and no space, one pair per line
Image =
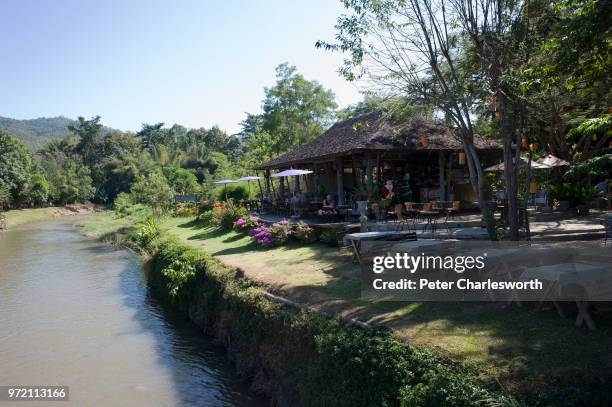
185,209
230,213
207,217
205,205
236,192
337,364
304,233
262,235
281,232
122,202
330,236
148,232
245,223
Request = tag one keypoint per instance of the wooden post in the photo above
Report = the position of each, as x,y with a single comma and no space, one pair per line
449,177
282,187
369,173
378,171
267,177
442,181
356,175
340,180
296,186
259,183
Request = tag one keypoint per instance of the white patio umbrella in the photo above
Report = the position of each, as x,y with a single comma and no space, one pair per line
224,182
291,172
522,162
248,179
552,161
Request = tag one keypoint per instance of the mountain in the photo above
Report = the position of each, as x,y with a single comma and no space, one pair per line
34,133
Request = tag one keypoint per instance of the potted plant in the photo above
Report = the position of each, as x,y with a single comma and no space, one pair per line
564,194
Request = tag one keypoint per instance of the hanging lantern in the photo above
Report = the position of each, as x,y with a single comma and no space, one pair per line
533,187
594,137
534,146
490,103
524,143
424,141
498,116
462,158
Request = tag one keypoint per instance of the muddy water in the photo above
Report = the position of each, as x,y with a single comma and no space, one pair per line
74,312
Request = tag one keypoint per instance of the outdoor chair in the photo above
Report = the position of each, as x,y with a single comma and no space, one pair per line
451,212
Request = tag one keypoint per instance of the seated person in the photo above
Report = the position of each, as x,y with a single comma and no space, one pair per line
329,206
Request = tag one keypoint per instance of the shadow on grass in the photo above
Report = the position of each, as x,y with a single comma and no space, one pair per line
527,350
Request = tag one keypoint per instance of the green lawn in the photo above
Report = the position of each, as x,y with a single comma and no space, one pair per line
522,348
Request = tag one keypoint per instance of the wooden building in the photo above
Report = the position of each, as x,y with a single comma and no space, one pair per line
359,154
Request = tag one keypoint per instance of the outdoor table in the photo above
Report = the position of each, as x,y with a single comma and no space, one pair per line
355,239
430,218
595,279
416,245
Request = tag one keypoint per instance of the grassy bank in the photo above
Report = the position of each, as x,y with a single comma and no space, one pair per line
533,354
18,217
296,357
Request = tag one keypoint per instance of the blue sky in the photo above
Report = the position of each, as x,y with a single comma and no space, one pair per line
197,63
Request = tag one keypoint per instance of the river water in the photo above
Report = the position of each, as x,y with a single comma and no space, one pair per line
77,313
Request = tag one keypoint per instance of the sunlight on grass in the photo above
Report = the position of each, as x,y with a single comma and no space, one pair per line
517,346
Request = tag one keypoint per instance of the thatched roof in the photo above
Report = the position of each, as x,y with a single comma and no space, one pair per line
377,132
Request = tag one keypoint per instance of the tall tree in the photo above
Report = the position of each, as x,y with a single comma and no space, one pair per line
295,110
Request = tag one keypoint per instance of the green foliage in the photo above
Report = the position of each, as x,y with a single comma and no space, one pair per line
229,213
122,202
337,365
147,234
186,210
183,181
5,197
69,180
35,133
304,233
295,110
38,190
575,194
236,192
207,217
330,236
599,127
15,168
153,190
579,50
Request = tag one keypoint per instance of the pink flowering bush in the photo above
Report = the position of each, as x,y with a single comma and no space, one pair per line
281,232
262,235
245,223
304,233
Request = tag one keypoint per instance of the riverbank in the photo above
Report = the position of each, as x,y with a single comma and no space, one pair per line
18,217
293,356
531,353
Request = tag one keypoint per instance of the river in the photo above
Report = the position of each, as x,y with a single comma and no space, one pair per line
78,313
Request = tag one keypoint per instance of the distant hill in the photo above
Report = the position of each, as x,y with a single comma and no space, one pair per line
34,133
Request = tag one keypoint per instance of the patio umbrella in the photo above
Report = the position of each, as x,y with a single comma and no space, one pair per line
291,172
522,162
552,161
224,182
248,179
